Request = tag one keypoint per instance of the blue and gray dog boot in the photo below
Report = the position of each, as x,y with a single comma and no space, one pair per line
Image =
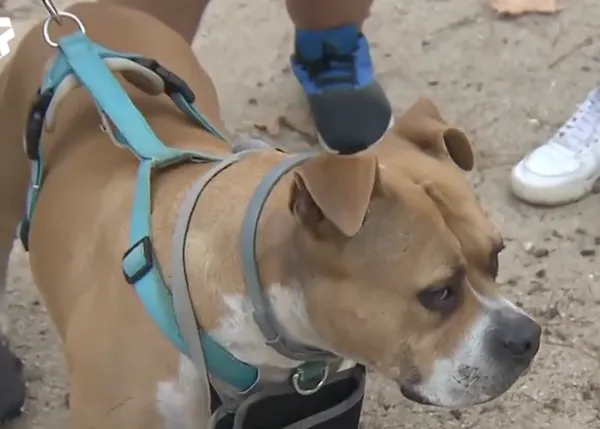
349,107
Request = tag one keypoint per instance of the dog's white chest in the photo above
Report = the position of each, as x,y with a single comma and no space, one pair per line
184,401
239,334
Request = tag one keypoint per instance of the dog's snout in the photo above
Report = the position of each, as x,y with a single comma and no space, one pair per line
517,337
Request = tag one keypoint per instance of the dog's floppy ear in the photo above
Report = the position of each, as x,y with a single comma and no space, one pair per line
335,189
423,126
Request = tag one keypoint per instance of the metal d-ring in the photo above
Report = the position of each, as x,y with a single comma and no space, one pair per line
296,379
58,18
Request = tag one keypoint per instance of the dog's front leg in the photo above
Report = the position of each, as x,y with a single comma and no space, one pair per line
142,412
136,381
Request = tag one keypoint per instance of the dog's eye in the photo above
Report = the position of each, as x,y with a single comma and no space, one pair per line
440,299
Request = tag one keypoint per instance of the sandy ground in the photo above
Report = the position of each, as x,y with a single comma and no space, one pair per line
509,83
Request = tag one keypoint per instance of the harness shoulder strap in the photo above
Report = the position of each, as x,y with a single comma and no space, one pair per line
206,353
85,62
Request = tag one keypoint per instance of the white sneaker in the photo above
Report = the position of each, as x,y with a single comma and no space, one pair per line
565,168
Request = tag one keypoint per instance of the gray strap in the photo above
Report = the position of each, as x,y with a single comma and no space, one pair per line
263,313
184,312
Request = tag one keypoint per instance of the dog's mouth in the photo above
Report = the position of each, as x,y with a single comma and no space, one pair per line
486,393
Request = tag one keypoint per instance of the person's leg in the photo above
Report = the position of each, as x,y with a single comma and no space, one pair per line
564,168
333,64
182,16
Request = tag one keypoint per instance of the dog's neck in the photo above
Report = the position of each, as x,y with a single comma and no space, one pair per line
281,271
241,336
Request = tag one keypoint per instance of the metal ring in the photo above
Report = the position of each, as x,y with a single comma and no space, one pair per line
46,31
307,392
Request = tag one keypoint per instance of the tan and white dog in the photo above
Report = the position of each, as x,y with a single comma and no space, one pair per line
385,258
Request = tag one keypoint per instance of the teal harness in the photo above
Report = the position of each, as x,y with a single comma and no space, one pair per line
170,309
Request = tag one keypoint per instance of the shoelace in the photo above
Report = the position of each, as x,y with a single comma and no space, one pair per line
333,68
575,134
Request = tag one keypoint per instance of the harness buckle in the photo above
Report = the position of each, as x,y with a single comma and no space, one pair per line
173,83
139,258
35,123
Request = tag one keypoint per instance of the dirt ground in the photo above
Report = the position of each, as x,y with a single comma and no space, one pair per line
509,83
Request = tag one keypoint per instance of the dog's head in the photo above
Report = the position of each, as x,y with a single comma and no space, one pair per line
401,263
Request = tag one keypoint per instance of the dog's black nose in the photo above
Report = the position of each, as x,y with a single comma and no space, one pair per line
518,337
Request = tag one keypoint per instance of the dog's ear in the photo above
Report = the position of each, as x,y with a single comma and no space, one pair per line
423,126
334,190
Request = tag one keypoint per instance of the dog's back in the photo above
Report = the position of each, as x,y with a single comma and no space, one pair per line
76,138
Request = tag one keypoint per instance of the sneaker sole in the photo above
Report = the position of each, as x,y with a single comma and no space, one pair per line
568,193
327,149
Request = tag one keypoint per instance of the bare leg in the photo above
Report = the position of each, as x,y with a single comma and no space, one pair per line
183,16
333,65
324,14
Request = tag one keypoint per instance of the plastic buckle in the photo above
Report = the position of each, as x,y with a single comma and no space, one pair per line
173,83
148,260
35,123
